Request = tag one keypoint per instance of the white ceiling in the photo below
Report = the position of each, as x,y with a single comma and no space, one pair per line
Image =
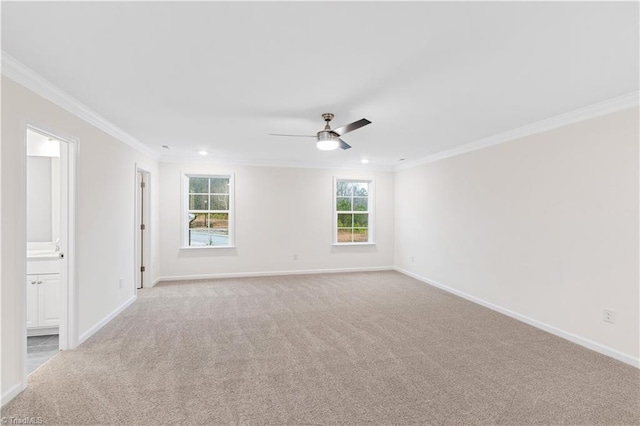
430,76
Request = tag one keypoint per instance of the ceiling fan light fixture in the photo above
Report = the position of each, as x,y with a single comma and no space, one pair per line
327,145
327,141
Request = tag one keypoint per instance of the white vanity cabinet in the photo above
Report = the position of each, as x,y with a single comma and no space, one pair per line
43,295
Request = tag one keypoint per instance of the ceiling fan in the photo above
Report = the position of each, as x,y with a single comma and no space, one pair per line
328,139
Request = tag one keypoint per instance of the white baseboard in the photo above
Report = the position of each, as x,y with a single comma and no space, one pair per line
106,319
153,283
42,331
589,344
272,273
12,392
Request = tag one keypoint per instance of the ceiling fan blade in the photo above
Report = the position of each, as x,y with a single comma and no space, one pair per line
343,144
351,127
297,136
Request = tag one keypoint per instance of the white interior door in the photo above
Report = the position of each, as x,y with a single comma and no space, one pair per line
142,228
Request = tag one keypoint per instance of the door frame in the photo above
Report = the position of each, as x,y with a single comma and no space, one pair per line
144,244
69,309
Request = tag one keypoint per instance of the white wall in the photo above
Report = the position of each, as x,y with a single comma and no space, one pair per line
105,218
39,199
279,212
545,226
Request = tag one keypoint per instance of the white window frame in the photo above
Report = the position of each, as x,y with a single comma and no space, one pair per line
370,211
184,217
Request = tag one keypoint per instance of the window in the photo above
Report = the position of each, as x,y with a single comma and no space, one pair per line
209,202
353,220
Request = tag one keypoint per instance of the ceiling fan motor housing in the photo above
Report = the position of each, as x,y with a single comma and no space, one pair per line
326,135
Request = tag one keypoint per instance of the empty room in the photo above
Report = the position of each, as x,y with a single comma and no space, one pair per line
297,213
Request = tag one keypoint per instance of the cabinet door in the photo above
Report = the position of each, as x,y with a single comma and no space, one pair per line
32,301
48,300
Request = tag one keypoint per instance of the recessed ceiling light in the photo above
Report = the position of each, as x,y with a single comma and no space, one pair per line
202,152
364,161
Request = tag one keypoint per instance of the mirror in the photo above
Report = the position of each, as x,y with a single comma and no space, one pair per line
43,188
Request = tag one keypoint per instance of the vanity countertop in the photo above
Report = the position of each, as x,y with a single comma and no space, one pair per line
39,255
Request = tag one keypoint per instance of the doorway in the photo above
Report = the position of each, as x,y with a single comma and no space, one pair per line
141,231
50,324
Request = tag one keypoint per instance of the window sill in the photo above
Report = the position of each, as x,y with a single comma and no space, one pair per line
206,247
352,244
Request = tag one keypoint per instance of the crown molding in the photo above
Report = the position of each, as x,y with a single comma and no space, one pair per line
609,106
26,77
21,74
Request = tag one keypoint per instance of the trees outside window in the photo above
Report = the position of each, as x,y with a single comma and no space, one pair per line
353,205
209,210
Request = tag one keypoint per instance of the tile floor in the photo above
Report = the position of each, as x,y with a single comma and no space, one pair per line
41,349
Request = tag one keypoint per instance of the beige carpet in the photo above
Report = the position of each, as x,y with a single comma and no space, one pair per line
376,348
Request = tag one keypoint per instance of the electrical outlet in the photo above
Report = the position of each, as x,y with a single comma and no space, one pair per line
609,316
120,282
295,257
